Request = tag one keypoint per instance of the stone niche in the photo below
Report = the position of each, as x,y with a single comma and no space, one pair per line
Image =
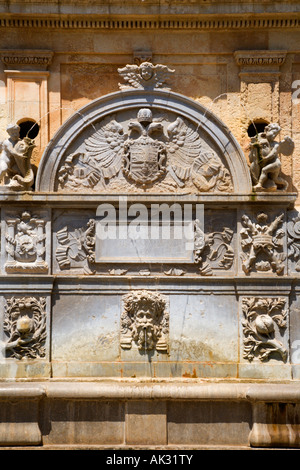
97,284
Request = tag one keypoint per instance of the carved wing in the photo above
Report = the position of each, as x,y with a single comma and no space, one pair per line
131,75
286,146
105,147
183,147
162,74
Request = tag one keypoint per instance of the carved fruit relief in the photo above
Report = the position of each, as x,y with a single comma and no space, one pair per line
25,327
263,321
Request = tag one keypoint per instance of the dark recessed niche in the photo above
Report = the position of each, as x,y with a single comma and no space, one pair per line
256,127
29,129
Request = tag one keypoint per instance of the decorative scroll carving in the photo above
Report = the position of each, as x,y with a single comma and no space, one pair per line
212,247
293,230
265,164
15,167
25,243
259,327
76,246
148,151
145,76
262,244
25,327
145,321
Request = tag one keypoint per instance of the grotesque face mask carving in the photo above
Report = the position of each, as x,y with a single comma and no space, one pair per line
144,329
144,321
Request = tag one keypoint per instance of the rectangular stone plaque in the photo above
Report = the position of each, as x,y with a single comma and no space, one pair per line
156,234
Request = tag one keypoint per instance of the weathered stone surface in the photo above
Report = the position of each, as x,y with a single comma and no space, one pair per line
133,340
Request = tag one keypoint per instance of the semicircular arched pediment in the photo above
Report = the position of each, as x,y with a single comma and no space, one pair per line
143,141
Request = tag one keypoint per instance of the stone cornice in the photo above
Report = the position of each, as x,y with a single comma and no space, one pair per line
168,20
54,199
95,7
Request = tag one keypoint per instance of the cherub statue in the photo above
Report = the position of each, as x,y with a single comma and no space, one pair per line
265,164
145,76
15,167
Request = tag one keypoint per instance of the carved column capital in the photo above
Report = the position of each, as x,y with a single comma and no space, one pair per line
260,66
26,59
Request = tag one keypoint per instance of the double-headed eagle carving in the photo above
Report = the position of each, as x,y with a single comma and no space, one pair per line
144,153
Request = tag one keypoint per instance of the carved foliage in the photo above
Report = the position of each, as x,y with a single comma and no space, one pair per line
145,321
25,327
263,320
25,243
76,246
262,244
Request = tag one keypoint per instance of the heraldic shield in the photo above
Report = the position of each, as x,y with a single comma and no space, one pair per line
144,160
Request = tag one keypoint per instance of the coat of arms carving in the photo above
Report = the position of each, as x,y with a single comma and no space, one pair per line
138,153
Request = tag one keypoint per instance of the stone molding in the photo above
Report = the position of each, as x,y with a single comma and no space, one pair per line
176,22
135,389
26,59
37,404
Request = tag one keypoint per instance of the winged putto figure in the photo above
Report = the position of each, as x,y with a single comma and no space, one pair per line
265,164
143,152
145,76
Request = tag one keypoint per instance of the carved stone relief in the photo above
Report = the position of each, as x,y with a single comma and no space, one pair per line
76,246
264,320
124,143
262,244
145,321
145,76
214,246
25,327
265,161
144,151
26,60
293,243
25,238
15,168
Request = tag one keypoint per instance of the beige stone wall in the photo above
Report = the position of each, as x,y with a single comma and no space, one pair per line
198,39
